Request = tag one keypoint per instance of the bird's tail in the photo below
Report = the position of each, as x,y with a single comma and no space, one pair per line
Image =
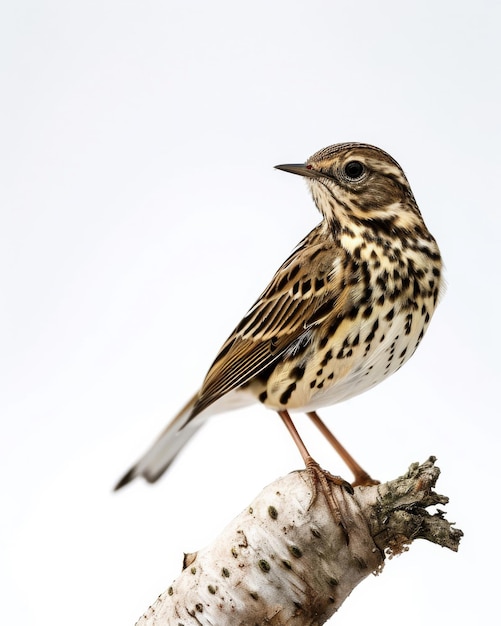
164,450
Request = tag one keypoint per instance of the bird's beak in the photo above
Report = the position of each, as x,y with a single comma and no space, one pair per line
302,169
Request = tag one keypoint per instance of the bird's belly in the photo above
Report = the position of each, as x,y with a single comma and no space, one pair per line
361,354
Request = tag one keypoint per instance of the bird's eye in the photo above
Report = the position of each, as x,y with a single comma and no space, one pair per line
354,170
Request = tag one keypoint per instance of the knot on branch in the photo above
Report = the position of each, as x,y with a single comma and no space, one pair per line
399,514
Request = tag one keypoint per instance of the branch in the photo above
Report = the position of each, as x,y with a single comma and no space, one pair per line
284,560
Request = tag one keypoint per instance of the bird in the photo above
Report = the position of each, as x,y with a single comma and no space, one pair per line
345,310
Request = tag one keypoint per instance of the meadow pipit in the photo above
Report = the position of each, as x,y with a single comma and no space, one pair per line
344,311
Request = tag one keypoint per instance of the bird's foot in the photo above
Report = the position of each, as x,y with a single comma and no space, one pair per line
325,480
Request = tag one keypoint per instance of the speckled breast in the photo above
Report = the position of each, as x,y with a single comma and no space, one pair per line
349,353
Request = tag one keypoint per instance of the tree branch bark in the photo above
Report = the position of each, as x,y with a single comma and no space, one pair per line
285,560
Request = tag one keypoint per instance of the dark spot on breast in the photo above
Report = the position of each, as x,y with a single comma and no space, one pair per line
323,342
367,294
372,333
410,304
327,358
285,397
330,331
382,279
352,313
342,354
298,372
432,255
408,323
365,272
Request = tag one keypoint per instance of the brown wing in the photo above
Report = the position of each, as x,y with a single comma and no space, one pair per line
306,289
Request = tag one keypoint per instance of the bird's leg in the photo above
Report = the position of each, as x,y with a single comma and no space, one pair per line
361,476
323,477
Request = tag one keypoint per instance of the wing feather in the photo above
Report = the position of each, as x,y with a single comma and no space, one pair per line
306,289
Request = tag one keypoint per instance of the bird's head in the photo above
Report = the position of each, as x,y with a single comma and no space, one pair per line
355,183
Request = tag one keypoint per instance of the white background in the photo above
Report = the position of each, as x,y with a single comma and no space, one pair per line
141,216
